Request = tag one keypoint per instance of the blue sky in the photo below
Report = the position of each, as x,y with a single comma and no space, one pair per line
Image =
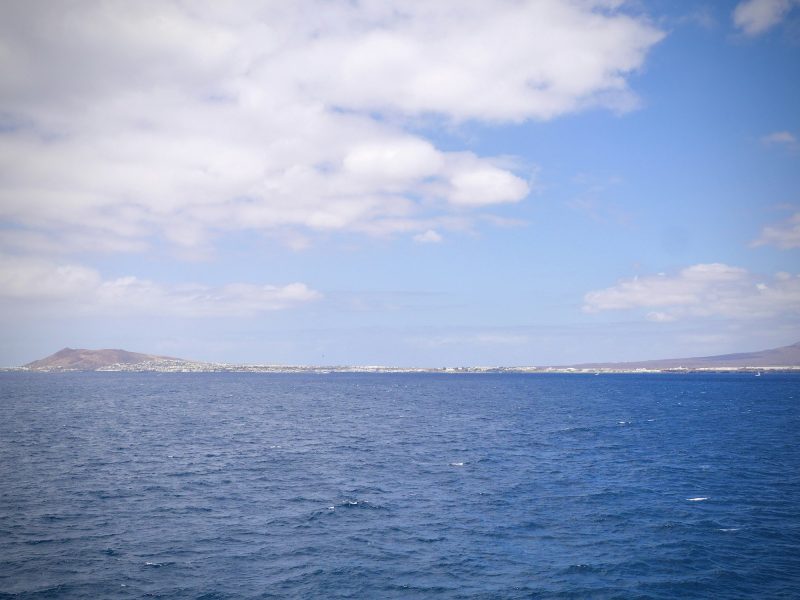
418,184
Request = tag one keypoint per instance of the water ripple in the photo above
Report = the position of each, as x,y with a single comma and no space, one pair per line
219,486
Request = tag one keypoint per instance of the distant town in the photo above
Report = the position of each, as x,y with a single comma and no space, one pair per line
182,366
783,359
189,367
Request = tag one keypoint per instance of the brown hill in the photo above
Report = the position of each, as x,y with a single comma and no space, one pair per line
71,359
785,356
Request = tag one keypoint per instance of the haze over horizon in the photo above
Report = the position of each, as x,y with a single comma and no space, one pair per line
423,184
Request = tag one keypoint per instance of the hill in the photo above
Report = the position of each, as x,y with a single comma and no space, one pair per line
72,359
785,356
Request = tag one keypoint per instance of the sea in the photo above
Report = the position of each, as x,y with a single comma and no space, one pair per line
255,485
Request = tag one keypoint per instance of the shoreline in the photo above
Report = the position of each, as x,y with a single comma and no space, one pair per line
188,367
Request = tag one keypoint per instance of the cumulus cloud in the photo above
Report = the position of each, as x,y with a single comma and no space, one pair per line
754,17
702,290
784,235
78,289
122,123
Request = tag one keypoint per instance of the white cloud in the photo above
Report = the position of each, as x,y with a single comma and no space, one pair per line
785,235
428,237
391,161
127,122
75,289
547,57
703,290
33,279
757,16
485,184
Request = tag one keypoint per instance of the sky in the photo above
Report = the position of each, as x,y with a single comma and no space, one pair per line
450,183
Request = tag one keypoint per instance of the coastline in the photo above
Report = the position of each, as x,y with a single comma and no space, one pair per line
193,367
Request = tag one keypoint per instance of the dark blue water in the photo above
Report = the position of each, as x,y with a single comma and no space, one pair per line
399,486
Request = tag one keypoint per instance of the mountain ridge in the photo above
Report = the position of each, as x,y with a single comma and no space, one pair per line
783,356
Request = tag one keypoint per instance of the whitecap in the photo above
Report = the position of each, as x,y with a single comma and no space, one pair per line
698,499
729,529
456,464
158,564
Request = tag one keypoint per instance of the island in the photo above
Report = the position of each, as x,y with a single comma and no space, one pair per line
785,358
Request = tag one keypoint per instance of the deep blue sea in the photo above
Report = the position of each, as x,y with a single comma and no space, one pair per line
208,486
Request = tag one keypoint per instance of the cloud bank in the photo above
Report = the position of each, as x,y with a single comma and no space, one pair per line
123,124
703,290
72,289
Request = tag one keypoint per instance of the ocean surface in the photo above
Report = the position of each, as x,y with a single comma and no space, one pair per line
137,485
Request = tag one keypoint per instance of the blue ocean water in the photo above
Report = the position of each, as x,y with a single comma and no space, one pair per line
118,485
